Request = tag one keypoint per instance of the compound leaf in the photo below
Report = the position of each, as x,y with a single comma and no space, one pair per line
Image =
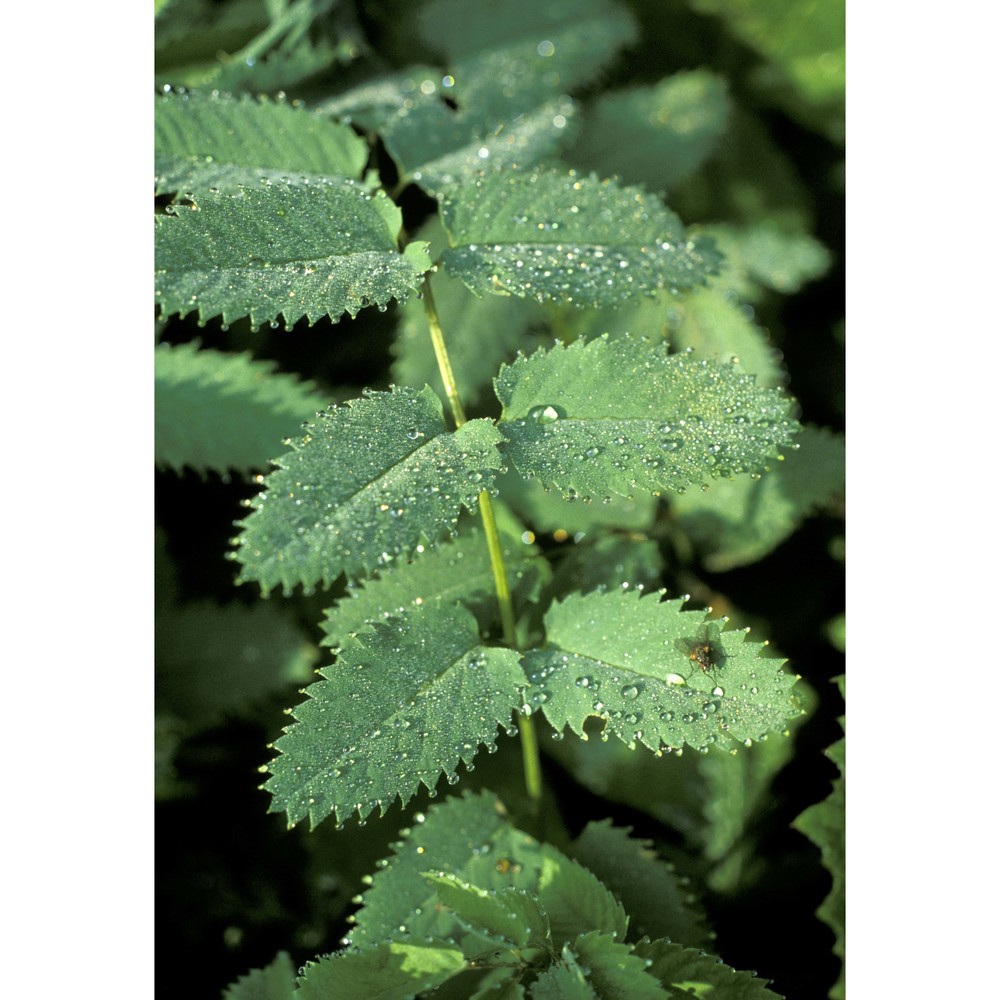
199,137
655,135
216,411
622,416
392,970
652,893
554,235
458,570
274,982
739,521
401,706
370,480
307,246
656,674
693,972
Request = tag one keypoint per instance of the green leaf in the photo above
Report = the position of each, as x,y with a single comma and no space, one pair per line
199,138
456,571
714,325
655,135
615,972
632,662
394,970
649,889
510,915
514,46
622,416
575,901
370,481
211,659
607,562
557,236
563,981
401,706
274,982
824,824
766,255
482,333
739,521
216,411
469,837
294,247
696,974
549,511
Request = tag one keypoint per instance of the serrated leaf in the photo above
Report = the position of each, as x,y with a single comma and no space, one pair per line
481,332
274,982
370,480
471,838
632,662
622,417
615,972
655,135
216,411
510,915
213,659
401,706
698,974
557,236
575,901
715,325
563,981
648,888
198,137
310,246
456,571
739,521
394,970
824,824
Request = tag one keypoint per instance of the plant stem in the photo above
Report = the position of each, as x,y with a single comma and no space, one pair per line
526,725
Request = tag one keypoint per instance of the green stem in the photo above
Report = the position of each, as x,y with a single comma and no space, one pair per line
529,740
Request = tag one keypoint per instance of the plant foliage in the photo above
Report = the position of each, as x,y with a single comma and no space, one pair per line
537,411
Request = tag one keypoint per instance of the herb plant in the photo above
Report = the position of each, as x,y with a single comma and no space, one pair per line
509,536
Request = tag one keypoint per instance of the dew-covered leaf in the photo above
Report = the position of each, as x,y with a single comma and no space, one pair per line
623,417
740,521
510,915
554,235
481,332
403,705
548,511
564,980
456,571
656,898
392,970
608,561
297,246
198,136
614,970
212,659
275,981
824,824
656,674
216,411
696,973
469,837
369,481
655,135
